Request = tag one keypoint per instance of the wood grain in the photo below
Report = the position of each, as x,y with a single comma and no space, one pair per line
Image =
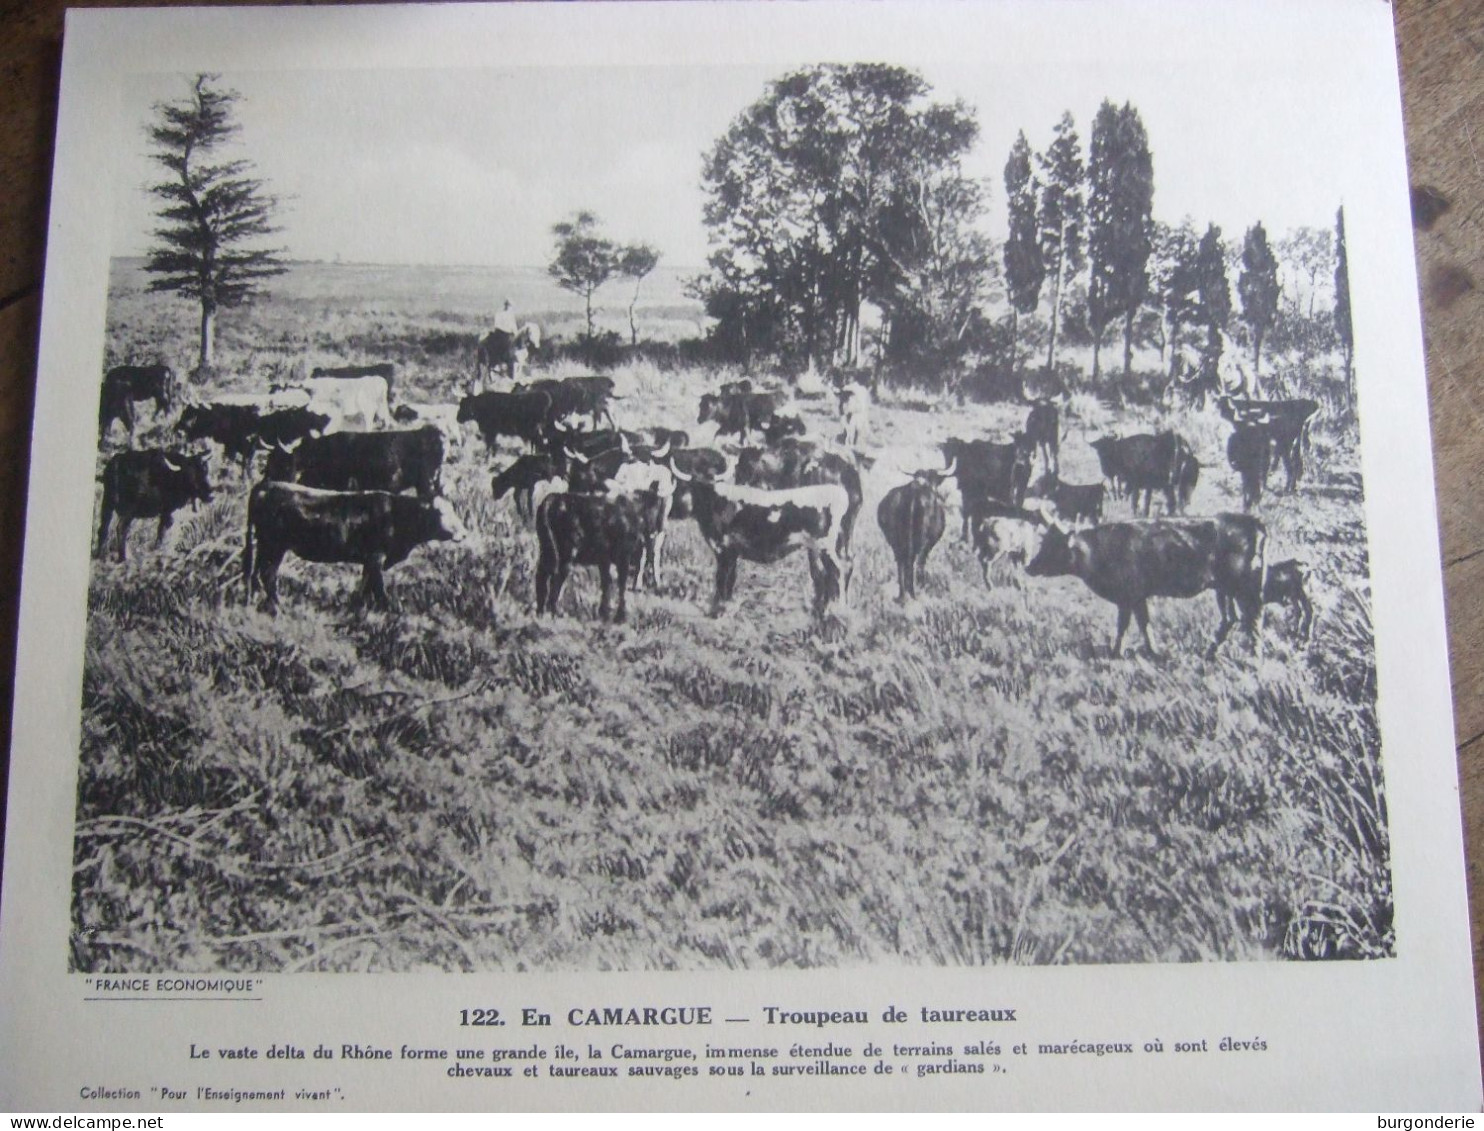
1441,46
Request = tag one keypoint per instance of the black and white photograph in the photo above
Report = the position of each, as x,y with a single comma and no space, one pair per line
677,517
847,527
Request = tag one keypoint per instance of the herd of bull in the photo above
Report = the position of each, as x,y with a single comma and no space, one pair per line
338,471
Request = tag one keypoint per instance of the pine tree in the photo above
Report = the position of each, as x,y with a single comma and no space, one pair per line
583,260
1259,290
1343,327
1215,298
1061,218
211,212
1120,203
1024,268
635,262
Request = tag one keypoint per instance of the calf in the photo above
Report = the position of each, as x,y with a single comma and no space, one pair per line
528,476
766,526
912,518
738,413
1006,534
1074,502
125,385
395,460
1127,563
1249,450
372,529
855,413
593,530
1287,584
149,484
988,472
1043,432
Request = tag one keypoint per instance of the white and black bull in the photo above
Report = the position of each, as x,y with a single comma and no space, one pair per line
766,526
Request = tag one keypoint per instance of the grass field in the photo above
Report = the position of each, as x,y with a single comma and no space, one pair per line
966,779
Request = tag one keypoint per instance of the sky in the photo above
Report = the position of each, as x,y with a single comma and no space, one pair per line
472,167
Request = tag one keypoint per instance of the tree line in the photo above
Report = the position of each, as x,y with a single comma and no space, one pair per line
843,187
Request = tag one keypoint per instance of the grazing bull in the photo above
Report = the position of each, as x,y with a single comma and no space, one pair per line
912,518
395,460
1075,503
1129,562
383,369
149,484
1249,450
518,415
372,529
855,413
592,530
737,414
766,526
506,352
125,385
241,428
1148,463
1287,422
528,477
358,403
574,397
989,472
233,426
1043,433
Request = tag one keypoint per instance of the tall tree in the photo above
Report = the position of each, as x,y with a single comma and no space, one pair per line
1343,327
1215,297
934,264
1307,253
635,262
1259,290
1024,268
1120,203
798,191
583,260
212,211
1061,217
1178,280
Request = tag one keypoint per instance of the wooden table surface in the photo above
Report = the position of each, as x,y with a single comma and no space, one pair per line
1441,44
